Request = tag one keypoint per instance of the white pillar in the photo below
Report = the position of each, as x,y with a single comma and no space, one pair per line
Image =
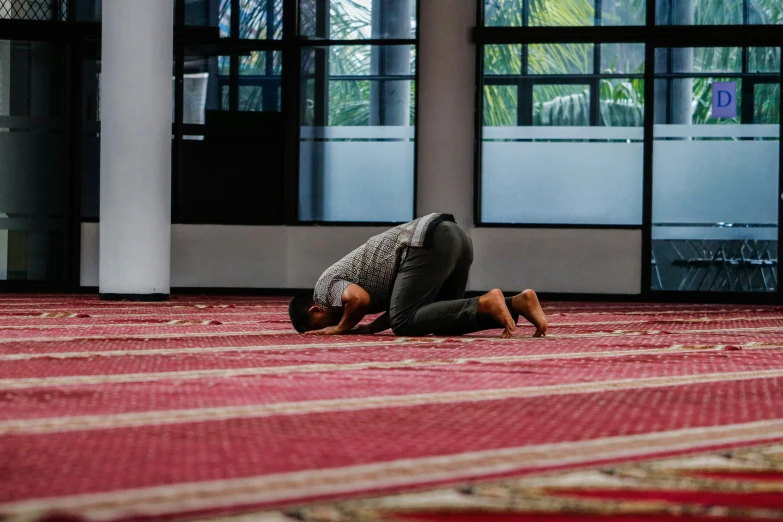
135,215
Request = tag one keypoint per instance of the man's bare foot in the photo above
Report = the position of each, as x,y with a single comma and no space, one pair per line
526,304
493,304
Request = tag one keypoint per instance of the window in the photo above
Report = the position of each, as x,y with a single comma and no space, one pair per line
229,162
34,160
357,111
562,134
668,128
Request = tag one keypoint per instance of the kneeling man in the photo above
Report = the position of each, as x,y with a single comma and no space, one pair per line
417,274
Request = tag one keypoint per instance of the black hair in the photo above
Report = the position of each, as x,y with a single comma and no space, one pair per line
299,311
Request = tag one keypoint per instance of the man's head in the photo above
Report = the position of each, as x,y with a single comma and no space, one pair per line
306,315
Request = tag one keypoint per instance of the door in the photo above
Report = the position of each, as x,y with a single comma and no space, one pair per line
716,169
34,165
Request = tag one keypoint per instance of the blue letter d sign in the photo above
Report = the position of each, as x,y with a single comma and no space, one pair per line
724,100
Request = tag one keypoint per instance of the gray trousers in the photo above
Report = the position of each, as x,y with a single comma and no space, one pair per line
428,294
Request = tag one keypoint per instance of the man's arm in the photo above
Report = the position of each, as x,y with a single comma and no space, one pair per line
378,325
355,300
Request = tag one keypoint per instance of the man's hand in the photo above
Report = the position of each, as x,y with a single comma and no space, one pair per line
378,325
329,330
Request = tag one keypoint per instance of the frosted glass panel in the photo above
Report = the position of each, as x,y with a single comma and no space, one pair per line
715,207
566,180
719,180
350,164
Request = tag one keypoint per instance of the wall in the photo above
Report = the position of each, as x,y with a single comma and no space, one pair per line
549,260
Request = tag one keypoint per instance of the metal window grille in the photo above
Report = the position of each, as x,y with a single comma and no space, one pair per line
33,9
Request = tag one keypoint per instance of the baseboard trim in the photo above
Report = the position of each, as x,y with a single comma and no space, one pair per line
751,298
141,298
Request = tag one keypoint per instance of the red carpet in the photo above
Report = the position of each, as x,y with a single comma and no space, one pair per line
214,409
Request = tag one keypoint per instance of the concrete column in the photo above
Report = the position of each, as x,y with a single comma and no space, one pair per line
446,101
135,216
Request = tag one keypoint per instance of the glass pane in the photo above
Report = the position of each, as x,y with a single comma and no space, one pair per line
91,141
563,13
261,19
560,59
766,103
561,105
504,13
764,60
501,104
719,12
622,58
204,79
358,19
706,59
34,162
34,10
622,102
357,135
503,59
623,12
260,81
715,183
209,13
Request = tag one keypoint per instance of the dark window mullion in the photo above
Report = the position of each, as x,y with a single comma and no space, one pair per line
233,35
292,87
524,87
598,7
745,12
235,17
595,83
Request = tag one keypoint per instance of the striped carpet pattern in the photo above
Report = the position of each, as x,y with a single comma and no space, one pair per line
207,408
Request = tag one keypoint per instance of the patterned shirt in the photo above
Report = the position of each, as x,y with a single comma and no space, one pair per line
375,264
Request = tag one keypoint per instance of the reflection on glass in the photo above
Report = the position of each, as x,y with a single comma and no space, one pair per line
260,81
204,79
